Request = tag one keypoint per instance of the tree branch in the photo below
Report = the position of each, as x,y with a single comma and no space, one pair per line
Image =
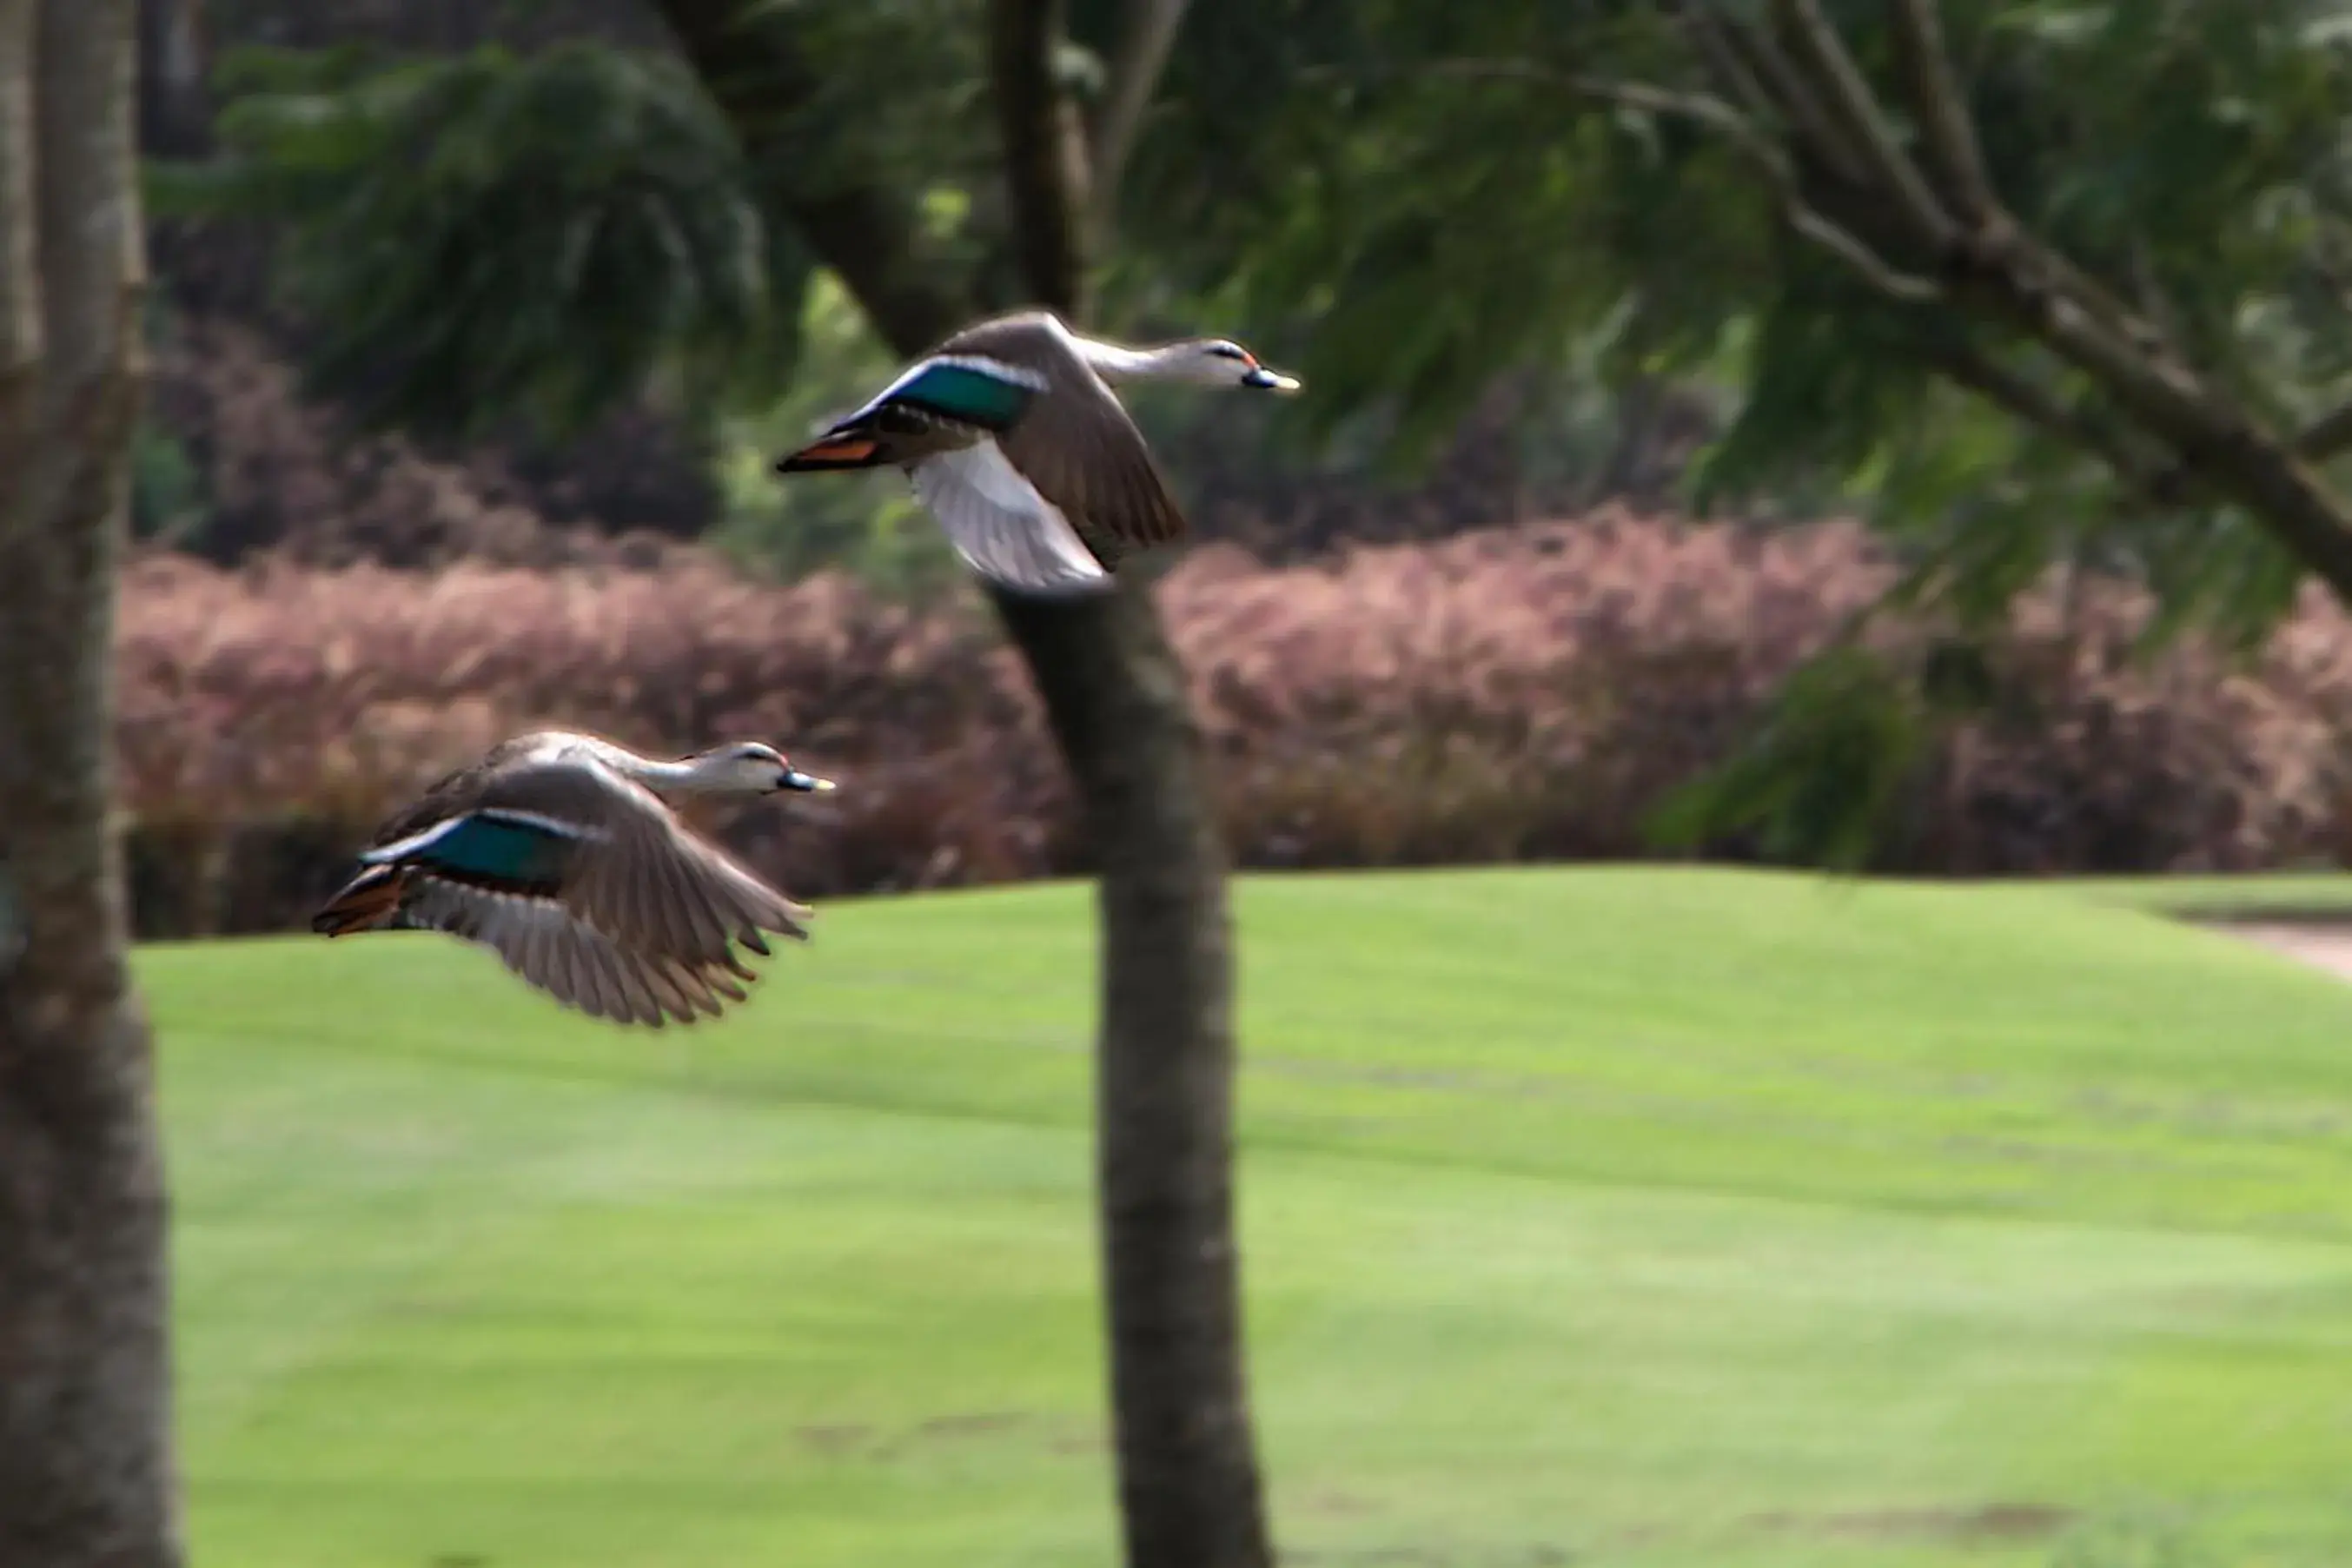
2012,276
1990,266
1855,111
1747,138
2033,404
1044,154
1942,108
2327,436
1749,66
1143,48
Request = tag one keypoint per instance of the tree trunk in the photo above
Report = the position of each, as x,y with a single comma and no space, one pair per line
1115,694
1188,1480
175,117
86,1465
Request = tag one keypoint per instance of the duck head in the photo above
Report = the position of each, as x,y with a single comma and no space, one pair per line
1222,363
751,768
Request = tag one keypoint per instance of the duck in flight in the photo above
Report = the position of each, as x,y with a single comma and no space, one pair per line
562,854
1016,443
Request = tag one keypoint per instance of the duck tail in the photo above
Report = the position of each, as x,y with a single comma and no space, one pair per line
365,901
837,450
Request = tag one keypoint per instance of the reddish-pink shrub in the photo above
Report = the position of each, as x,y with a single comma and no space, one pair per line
1525,693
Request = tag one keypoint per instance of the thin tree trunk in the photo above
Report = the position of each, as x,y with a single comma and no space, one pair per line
1116,695
1187,1478
175,106
85,1463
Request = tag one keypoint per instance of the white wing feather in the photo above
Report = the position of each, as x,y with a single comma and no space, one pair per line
1002,528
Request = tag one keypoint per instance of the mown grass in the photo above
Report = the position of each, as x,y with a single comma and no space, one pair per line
1635,1216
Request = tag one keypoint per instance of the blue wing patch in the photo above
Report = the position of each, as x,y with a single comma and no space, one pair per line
970,391
507,849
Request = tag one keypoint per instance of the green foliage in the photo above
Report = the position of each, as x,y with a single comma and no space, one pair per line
1820,780
1432,196
168,494
1428,194
475,239
485,235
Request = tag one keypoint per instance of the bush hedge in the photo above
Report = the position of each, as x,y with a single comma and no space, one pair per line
1532,693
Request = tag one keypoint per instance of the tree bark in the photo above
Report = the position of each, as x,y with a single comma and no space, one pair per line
87,1473
1141,54
176,116
1188,1480
1190,1495
1117,701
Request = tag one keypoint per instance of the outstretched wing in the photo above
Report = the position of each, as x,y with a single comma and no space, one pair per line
1002,527
549,947
570,830
1076,444
638,876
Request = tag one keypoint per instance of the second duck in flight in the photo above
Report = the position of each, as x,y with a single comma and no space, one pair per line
561,852
1017,446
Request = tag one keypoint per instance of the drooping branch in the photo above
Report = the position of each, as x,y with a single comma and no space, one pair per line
1986,265
1043,155
1990,242
2033,403
1838,87
1942,109
1749,66
1746,136
2327,436
1134,68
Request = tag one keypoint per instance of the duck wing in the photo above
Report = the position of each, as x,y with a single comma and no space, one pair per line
569,830
549,947
1002,527
1075,444
940,421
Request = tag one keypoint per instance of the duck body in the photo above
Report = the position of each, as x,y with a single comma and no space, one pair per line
1016,443
562,854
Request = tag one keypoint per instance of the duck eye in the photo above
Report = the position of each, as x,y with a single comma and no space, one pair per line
1226,352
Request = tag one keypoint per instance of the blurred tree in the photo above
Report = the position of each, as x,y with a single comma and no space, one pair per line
2119,309
545,231
2035,282
86,1469
175,106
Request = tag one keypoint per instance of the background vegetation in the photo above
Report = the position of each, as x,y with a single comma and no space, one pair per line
1521,290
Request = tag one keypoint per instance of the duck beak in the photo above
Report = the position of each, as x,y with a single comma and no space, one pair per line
796,780
1269,380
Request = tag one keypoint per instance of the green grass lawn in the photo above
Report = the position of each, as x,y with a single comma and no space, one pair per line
1591,1218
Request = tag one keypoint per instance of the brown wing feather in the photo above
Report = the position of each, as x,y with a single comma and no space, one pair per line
644,928
454,792
551,949
645,882
1077,445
